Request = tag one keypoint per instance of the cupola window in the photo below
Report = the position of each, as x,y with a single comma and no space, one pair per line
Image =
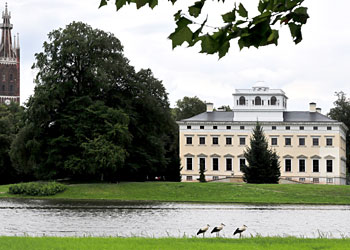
257,100
242,100
273,100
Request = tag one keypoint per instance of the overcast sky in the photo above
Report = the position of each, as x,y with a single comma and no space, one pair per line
308,72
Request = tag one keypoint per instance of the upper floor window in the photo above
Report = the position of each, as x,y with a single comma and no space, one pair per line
301,127
257,100
228,140
301,141
215,127
11,88
242,141
242,100
273,127
3,87
215,140
315,142
329,141
287,127
288,141
201,127
315,128
3,77
228,127
329,128
11,77
188,140
241,127
188,127
273,100
274,141
202,140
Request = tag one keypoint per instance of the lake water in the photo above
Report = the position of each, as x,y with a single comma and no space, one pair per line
158,219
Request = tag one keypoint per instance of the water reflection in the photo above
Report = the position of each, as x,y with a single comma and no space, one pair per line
156,219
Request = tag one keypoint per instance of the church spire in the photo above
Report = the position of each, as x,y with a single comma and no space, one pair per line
6,48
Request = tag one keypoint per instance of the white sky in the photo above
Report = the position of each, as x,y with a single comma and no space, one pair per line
308,72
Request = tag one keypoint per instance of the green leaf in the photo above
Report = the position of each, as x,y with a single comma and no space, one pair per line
300,15
182,33
229,17
262,5
196,9
242,11
295,31
273,38
120,3
103,3
209,45
153,3
224,49
141,3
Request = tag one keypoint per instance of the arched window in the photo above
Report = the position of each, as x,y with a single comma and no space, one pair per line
273,100
11,77
242,100
257,100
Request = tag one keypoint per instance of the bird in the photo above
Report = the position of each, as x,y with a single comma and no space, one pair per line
203,230
218,229
240,230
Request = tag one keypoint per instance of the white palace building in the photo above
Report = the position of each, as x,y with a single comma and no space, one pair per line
311,146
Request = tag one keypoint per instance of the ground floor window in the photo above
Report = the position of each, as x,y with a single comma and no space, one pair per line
301,165
215,177
188,178
215,164
228,164
288,165
315,166
189,163
316,180
241,164
329,166
302,179
201,163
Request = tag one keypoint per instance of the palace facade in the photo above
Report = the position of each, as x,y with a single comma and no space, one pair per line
311,146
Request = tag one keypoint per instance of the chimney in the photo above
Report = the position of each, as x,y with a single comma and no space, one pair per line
318,110
210,107
312,107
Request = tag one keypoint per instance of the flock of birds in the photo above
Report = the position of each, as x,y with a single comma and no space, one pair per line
216,230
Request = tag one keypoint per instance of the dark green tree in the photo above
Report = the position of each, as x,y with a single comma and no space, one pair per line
263,165
258,30
188,107
10,123
92,116
202,174
341,112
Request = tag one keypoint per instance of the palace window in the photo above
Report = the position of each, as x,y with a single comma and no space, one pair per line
329,141
228,164
315,166
301,165
215,178
242,100
242,141
329,128
315,142
329,164
274,141
201,163
288,165
188,127
258,100
188,178
301,128
201,127
288,141
11,88
302,179
215,140
241,127
11,77
215,164
228,127
241,164
202,140
329,180
316,180
189,163
215,127
273,100
301,141
228,140
273,127
287,127
189,140
3,87
315,128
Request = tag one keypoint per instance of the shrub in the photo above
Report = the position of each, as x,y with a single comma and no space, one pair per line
37,188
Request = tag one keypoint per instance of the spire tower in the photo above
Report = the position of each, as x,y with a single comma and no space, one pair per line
9,62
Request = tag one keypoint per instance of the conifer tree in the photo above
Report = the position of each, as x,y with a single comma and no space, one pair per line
263,165
201,174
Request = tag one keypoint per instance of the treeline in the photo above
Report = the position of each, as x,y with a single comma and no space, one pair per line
92,116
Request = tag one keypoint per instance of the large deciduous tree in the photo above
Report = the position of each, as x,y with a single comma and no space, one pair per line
341,112
92,116
193,24
10,123
263,165
188,107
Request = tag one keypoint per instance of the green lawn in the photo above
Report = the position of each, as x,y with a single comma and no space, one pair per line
269,243
206,192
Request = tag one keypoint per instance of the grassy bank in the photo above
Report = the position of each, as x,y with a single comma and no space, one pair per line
273,243
206,192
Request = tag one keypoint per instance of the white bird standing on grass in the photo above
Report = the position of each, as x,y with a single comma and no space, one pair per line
240,230
218,229
203,230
